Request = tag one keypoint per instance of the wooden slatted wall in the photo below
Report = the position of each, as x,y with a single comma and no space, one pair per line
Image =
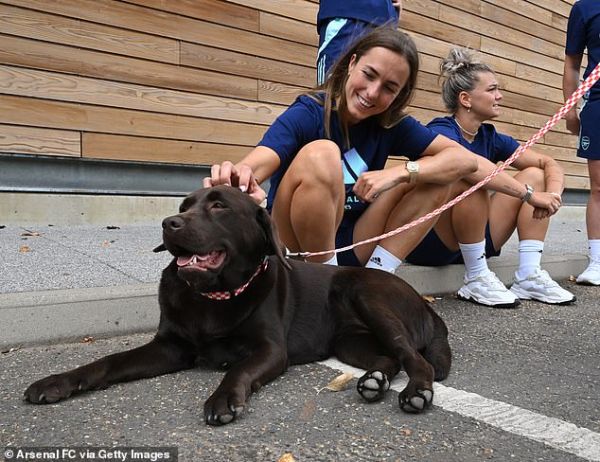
198,81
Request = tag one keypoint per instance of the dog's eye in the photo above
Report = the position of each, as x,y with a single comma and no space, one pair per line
217,205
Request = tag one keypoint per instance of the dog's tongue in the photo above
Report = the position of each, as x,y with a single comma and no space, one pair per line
208,261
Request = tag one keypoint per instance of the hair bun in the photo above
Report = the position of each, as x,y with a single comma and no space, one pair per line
457,59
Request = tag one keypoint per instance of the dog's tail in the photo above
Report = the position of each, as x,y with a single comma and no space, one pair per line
438,352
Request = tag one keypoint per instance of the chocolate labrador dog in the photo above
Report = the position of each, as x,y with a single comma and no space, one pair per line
231,299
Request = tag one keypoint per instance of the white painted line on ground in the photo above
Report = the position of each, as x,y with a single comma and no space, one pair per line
553,432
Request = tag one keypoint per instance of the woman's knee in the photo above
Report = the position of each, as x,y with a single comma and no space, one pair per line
434,195
534,177
318,161
475,204
594,175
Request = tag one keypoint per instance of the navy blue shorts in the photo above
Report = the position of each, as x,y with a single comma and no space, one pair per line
343,238
432,251
589,134
335,36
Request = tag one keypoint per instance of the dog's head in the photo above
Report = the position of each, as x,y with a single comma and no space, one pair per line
219,237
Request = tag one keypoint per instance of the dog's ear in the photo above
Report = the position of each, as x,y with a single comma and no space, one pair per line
160,248
275,247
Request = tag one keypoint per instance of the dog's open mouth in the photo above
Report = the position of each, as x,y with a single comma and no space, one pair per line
205,262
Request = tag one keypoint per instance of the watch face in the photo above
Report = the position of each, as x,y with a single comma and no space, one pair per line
413,169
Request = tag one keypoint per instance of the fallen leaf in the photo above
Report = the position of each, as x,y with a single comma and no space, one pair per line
31,234
572,278
406,431
488,452
24,249
287,457
88,339
429,298
10,350
340,383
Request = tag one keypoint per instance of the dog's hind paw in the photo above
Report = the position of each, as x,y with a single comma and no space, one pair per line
373,385
415,402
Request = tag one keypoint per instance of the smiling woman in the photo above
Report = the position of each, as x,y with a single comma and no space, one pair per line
372,87
478,226
325,158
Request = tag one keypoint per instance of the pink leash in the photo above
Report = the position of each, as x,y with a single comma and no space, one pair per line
576,96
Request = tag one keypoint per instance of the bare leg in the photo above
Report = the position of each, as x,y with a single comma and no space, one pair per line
463,227
592,215
309,203
465,222
508,213
591,275
394,208
531,282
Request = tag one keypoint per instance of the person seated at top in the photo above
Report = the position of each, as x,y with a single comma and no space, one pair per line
325,157
341,22
477,227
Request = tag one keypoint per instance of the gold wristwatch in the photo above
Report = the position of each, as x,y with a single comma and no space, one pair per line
413,170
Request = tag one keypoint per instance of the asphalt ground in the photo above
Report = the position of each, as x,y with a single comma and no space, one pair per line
541,360
523,387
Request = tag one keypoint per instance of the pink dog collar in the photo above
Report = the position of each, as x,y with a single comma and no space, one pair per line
225,295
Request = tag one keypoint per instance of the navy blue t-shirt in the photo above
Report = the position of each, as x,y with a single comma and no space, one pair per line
488,143
370,145
376,12
583,31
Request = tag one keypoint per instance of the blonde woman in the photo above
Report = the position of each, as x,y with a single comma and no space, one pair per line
478,227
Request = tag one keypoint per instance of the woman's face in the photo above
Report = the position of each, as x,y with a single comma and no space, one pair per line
374,82
485,97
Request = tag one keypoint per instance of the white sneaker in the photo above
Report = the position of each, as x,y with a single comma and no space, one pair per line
487,289
591,275
541,287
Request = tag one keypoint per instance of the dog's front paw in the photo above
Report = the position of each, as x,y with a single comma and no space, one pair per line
222,408
373,385
415,399
50,389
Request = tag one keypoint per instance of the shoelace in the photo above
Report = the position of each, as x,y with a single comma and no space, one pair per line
493,282
542,276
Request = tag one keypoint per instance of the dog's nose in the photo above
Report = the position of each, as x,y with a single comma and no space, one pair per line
173,223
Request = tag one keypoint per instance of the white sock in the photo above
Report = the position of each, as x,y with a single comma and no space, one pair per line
332,261
383,260
474,258
594,248
530,257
